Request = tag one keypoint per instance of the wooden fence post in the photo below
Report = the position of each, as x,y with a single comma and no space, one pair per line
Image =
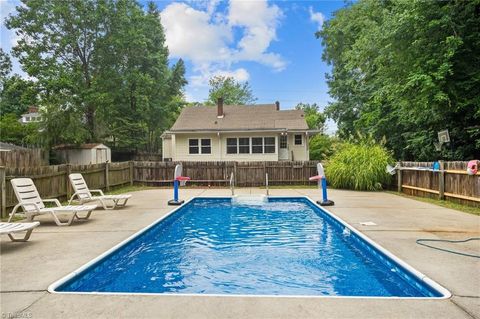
131,163
68,171
107,184
3,188
399,177
441,180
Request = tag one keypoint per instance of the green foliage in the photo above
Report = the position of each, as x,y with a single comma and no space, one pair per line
17,95
5,65
322,147
359,166
314,118
14,132
102,71
55,120
405,70
232,92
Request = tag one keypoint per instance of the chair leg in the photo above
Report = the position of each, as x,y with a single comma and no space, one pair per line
59,223
25,238
105,206
14,211
125,202
86,217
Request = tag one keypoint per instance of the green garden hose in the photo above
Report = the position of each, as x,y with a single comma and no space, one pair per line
420,242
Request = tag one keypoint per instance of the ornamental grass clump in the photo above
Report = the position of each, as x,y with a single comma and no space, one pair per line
359,166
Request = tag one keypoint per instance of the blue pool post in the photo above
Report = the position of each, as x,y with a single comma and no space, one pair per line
175,201
178,180
325,201
324,189
175,190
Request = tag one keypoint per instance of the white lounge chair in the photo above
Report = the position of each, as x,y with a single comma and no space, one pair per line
32,205
84,195
11,228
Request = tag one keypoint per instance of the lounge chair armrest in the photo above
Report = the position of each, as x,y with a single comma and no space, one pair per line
97,191
25,205
52,200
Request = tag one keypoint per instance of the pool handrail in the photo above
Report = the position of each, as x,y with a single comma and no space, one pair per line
266,183
232,184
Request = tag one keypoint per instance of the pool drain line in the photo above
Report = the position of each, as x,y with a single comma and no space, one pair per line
422,240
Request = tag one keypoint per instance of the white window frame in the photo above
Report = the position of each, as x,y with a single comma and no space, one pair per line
237,138
294,141
199,141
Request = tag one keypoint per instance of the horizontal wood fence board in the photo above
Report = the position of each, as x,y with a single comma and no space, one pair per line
52,181
458,185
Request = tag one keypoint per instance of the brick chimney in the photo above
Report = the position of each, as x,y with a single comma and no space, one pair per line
32,109
277,104
220,113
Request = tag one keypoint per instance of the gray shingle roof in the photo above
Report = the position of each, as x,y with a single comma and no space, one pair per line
239,117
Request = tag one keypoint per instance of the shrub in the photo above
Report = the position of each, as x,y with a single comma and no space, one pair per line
322,147
359,166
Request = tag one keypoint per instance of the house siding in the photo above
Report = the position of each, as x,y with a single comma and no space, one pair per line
180,147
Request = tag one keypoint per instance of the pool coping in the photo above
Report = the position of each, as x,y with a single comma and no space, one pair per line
446,294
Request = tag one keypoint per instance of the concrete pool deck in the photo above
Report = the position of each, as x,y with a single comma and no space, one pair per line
27,269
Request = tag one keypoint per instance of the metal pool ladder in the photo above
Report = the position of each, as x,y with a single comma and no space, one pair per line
232,184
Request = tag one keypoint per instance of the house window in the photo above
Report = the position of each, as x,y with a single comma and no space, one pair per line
298,139
206,146
241,145
200,146
283,141
269,143
244,145
232,146
257,145
193,146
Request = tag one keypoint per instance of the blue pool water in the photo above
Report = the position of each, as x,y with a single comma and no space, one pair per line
287,246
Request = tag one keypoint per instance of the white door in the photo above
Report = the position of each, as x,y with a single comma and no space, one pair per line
101,156
283,149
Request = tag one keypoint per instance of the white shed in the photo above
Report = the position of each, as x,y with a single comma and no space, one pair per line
91,153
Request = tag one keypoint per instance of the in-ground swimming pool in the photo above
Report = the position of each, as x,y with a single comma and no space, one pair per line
286,246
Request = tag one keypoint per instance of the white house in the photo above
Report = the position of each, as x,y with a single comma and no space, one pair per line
92,153
237,133
32,116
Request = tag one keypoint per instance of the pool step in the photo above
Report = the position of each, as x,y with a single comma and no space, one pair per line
249,199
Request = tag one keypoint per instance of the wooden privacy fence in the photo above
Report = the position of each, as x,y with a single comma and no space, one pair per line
52,181
218,173
450,182
23,158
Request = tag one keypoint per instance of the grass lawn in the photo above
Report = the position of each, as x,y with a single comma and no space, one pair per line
442,203
128,189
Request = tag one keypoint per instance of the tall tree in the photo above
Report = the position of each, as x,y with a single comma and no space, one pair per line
57,45
5,65
103,70
232,91
314,118
137,87
17,94
405,70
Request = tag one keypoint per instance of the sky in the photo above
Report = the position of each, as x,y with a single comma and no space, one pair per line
270,44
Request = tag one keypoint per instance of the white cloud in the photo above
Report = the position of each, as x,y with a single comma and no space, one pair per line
203,34
316,17
259,22
190,35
